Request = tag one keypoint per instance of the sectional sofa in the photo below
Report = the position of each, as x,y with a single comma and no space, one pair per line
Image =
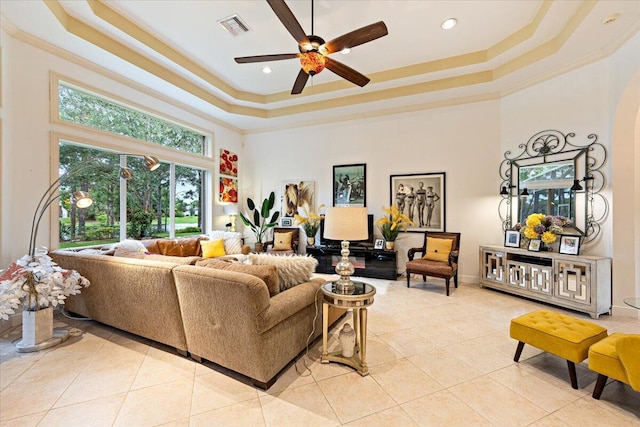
231,318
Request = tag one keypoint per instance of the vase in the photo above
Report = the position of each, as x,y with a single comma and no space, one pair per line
389,245
347,339
259,247
37,326
311,241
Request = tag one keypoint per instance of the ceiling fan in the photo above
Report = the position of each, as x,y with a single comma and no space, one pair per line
314,50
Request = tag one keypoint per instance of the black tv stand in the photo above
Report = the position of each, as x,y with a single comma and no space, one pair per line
368,262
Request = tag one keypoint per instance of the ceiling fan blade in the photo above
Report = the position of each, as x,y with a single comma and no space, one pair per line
266,58
356,37
301,80
289,21
345,72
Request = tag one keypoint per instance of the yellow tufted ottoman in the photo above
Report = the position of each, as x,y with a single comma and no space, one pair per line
617,357
558,334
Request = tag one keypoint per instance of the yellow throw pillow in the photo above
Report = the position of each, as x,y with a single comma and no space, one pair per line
212,248
282,241
438,249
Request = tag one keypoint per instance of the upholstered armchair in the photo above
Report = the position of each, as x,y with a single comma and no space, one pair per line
439,258
617,357
284,241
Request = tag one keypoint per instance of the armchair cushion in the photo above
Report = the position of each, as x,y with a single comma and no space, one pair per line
430,267
282,241
212,248
438,249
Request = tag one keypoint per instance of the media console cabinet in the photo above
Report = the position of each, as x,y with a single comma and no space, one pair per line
581,283
368,262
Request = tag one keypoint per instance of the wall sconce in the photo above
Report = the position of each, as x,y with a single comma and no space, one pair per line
524,193
232,211
576,183
506,190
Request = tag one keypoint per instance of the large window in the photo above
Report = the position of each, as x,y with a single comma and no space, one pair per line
166,202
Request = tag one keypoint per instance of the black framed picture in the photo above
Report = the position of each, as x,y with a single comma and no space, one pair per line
350,185
286,222
421,197
379,244
569,245
534,245
512,239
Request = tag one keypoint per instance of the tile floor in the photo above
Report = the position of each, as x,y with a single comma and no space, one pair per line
434,360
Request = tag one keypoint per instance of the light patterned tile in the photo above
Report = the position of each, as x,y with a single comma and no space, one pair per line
442,408
403,380
445,368
395,416
352,396
497,403
160,367
304,405
243,414
215,390
96,413
17,399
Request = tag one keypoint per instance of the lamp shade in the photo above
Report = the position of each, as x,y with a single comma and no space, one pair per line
82,199
312,62
346,224
231,209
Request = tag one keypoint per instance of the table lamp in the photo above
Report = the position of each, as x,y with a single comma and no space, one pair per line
345,224
232,211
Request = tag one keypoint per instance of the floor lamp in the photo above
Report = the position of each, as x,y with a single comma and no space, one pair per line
81,199
345,223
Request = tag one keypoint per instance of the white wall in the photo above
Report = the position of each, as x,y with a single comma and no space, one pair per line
26,142
462,141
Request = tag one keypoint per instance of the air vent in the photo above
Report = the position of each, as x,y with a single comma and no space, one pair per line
234,25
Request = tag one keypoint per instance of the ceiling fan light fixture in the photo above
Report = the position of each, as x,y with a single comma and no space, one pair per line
449,23
267,70
345,51
312,62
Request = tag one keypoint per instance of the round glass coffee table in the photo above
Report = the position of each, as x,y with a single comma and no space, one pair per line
358,301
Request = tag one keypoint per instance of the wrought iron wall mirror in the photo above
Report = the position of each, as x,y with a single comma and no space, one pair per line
554,176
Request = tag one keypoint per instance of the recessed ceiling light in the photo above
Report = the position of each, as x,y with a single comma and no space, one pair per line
448,24
266,70
611,18
345,51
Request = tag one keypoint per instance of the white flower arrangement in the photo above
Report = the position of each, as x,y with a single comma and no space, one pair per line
37,282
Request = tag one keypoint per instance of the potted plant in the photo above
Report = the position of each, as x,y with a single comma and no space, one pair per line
391,224
259,225
310,223
39,284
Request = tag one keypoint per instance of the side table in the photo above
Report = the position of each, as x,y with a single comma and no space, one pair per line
358,301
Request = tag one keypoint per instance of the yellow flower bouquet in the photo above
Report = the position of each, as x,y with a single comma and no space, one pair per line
543,227
310,222
391,224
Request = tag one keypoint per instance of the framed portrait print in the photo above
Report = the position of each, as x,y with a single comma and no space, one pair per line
350,185
569,245
421,197
534,245
379,244
287,222
512,239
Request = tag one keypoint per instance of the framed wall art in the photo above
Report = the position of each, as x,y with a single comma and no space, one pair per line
228,163
379,244
350,185
297,194
534,245
421,197
228,190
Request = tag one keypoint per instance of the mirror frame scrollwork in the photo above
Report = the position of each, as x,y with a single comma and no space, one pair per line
551,146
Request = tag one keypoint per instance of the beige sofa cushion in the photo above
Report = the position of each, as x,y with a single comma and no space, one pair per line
268,273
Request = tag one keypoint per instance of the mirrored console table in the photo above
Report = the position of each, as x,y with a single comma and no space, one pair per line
581,283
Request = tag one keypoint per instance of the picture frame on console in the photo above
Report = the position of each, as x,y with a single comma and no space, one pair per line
512,239
534,245
569,245
350,185
422,197
379,244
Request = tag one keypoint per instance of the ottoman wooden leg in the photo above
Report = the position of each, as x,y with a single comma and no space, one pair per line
518,351
597,390
572,374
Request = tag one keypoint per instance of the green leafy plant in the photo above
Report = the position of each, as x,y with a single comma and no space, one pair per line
260,225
